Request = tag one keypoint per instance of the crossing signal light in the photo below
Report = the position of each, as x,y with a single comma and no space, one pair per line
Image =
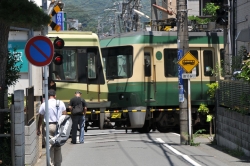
52,24
58,59
58,43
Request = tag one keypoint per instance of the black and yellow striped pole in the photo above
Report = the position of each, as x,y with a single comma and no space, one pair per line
54,8
52,24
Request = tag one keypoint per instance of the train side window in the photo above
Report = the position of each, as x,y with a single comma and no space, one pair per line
170,63
91,65
118,62
147,64
195,54
208,62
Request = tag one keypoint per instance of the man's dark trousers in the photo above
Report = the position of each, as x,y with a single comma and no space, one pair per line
78,120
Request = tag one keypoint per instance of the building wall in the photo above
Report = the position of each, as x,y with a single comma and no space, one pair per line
22,83
193,7
232,130
242,21
16,45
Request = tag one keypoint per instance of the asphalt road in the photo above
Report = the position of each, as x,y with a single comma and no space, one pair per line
116,147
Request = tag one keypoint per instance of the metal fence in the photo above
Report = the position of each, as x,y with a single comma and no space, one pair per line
12,131
29,109
235,95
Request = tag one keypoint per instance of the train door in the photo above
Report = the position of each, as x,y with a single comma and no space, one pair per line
149,75
204,75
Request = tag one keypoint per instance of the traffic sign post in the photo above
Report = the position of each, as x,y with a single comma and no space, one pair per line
180,81
39,51
188,62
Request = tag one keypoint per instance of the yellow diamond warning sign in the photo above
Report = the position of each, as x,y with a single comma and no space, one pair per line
188,62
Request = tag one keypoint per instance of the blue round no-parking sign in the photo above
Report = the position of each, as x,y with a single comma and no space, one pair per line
39,51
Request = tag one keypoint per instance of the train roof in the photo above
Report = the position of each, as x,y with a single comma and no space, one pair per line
161,37
165,33
76,38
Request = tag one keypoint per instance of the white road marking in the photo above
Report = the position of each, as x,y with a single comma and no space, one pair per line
178,153
176,134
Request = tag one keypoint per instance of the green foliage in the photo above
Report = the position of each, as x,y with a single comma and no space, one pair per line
244,65
203,108
5,148
5,151
218,71
198,20
12,69
212,87
192,143
210,9
245,73
22,13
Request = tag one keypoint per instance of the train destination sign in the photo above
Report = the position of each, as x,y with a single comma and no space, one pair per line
188,62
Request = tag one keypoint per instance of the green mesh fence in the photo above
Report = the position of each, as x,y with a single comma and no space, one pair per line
235,95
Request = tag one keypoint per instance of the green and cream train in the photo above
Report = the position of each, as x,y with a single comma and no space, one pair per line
81,69
142,75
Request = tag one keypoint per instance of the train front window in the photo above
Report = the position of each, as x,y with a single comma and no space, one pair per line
118,62
66,71
170,63
91,66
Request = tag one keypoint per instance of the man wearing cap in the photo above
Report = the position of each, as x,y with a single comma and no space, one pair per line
56,108
78,119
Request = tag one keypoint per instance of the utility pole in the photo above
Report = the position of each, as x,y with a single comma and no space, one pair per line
183,47
227,39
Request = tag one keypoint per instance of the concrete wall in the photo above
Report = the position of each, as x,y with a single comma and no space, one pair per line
233,130
31,144
27,145
19,144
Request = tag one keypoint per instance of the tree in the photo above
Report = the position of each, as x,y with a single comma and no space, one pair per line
13,68
18,13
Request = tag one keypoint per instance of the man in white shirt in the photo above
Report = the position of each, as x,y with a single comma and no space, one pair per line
56,108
